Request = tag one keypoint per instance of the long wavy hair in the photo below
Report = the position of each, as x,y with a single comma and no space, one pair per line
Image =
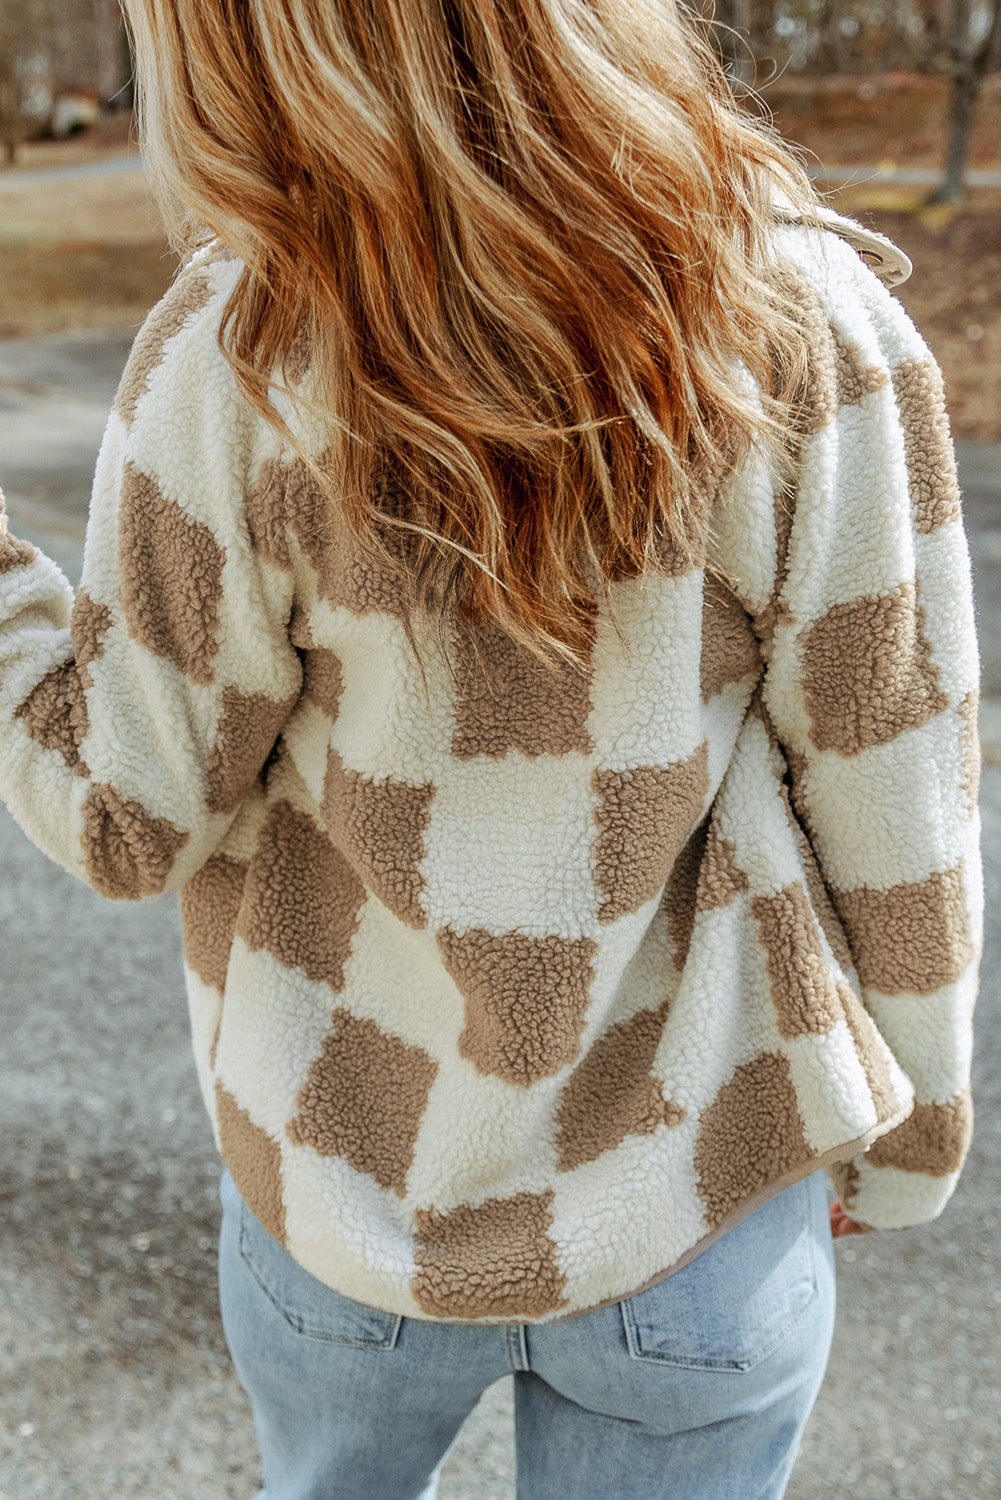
525,249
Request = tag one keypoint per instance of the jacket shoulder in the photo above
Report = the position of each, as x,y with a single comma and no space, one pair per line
185,319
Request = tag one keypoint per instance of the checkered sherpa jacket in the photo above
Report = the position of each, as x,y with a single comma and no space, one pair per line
510,999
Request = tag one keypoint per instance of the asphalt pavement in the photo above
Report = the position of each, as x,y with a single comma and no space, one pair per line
115,1382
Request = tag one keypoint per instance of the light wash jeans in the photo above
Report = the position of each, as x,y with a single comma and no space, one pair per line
697,1389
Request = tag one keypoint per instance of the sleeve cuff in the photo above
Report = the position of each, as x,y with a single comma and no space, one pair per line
887,1197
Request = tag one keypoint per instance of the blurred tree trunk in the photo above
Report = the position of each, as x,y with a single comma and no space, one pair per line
112,69
969,61
23,26
8,103
827,49
732,21
11,107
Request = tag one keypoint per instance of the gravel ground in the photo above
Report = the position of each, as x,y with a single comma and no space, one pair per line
115,1380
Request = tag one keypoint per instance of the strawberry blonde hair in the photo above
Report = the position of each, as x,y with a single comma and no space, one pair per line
526,246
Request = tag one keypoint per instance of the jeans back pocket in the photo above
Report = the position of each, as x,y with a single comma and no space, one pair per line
734,1304
308,1305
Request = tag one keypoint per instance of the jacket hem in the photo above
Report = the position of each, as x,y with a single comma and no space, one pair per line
757,1200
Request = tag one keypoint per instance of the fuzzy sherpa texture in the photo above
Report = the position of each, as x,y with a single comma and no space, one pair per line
508,999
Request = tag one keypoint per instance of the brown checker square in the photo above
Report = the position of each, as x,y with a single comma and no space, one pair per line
490,1260
911,938
678,900
645,816
210,905
705,876
506,699
89,624
55,714
245,734
935,1139
803,988
254,1160
380,826
15,553
525,1000
171,577
288,499
612,1093
322,672
928,453
301,899
730,650
748,1136
854,378
364,1099
968,709
868,673
127,851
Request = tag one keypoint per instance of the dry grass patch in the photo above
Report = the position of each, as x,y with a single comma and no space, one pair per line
75,285
79,253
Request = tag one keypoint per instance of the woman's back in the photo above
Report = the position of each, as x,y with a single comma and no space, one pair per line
512,986
526,614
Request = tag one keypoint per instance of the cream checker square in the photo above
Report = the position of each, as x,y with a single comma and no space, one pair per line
509,847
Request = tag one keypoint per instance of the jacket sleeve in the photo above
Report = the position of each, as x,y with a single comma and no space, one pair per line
136,714
872,685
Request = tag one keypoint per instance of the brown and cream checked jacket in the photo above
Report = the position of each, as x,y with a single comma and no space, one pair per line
509,998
